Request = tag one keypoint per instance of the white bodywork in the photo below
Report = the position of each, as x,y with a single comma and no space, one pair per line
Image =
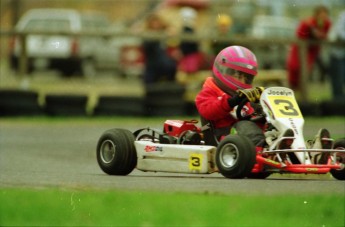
282,111
175,158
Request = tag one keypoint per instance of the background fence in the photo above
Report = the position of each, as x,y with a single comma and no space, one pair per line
99,95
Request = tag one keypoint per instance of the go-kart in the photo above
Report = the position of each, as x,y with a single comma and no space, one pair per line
180,146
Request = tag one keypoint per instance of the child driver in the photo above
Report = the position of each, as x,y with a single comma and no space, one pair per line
232,75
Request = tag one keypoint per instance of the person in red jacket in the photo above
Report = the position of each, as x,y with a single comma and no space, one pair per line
233,70
313,29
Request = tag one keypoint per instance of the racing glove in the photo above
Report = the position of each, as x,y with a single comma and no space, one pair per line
252,94
235,100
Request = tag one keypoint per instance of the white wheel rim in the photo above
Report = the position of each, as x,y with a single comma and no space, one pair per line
107,152
228,155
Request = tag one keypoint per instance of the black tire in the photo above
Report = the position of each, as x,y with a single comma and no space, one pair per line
14,64
116,153
19,103
262,175
164,92
310,109
333,108
122,106
165,99
67,72
66,105
339,174
68,68
235,157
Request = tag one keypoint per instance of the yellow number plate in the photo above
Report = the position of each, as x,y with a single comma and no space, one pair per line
195,161
284,107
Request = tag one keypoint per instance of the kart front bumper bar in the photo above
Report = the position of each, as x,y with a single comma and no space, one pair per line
299,168
295,168
304,150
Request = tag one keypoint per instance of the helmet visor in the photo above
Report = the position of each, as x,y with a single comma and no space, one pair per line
248,78
238,75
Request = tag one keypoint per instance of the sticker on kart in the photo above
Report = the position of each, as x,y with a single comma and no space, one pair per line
284,107
195,161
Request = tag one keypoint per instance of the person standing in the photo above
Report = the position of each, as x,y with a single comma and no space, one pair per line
159,65
223,30
337,59
315,28
191,58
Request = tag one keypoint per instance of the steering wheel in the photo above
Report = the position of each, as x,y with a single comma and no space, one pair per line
252,117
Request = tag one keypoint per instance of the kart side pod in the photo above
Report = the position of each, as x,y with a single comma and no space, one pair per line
175,158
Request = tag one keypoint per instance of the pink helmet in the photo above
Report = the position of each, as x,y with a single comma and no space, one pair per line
232,63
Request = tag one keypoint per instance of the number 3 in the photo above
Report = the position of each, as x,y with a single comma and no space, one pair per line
195,161
288,108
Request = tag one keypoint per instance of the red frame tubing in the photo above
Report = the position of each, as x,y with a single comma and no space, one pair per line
293,168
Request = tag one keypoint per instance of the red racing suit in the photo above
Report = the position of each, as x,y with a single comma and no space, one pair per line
212,105
305,31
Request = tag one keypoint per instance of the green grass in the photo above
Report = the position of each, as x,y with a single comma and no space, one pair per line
53,207
71,207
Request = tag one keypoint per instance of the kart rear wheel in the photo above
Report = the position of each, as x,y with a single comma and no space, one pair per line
339,174
235,157
116,154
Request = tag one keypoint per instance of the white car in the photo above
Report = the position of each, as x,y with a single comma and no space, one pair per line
274,28
67,53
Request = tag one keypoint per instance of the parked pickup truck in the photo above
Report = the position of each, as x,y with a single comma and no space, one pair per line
69,54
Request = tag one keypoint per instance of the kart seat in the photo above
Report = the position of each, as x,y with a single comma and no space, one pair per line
249,129
212,135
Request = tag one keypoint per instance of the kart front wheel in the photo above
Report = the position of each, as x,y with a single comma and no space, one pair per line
235,157
339,174
116,153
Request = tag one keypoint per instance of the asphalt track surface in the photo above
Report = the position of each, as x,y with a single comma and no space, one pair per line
63,155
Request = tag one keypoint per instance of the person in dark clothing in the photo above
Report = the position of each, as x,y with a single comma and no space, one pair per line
192,58
158,64
337,60
223,30
188,47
